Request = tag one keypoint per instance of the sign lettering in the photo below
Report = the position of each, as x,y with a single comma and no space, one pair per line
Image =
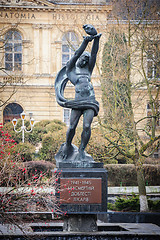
64,17
81,191
17,15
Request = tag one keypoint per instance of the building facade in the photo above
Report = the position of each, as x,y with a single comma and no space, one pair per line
37,39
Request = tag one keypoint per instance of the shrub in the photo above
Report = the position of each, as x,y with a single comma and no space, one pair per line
39,167
51,143
128,204
125,174
55,125
23,182
121,174
26,151
131,204
38,131
9,160
154,205
44,127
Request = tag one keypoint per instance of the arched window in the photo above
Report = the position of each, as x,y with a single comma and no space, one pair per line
12,110
69,45
13,51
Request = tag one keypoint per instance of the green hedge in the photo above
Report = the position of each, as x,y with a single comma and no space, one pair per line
131,204
125,174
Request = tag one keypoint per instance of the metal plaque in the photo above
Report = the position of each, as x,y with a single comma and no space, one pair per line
80,190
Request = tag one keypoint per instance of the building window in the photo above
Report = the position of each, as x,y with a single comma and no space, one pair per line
66,115
156,154
149,114
153,61
13,51
69,45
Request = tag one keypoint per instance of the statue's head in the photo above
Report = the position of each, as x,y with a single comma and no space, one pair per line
83,59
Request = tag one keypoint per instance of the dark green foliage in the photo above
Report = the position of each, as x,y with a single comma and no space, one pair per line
131,204
154,205
126,204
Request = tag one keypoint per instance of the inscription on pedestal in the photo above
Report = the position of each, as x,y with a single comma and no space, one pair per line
80,191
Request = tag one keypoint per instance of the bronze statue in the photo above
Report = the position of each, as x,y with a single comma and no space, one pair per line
78,70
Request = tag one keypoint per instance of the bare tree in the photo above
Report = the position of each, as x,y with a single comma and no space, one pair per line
131,69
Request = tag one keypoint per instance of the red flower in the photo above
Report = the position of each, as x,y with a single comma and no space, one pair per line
7,139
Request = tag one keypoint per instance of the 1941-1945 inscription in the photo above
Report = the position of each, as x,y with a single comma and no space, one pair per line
81,191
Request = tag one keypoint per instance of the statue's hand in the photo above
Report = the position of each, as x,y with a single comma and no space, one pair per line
88,38
98,35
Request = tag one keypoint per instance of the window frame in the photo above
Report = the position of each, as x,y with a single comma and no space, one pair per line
70,42
13,55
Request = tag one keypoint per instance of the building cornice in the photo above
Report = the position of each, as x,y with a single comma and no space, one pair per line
137,22
61,7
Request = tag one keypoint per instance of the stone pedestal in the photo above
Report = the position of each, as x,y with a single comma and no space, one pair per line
82,194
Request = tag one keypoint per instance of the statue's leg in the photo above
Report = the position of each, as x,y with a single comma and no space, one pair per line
87,120
68,148
74,119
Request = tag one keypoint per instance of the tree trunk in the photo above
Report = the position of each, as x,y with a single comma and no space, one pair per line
142,190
